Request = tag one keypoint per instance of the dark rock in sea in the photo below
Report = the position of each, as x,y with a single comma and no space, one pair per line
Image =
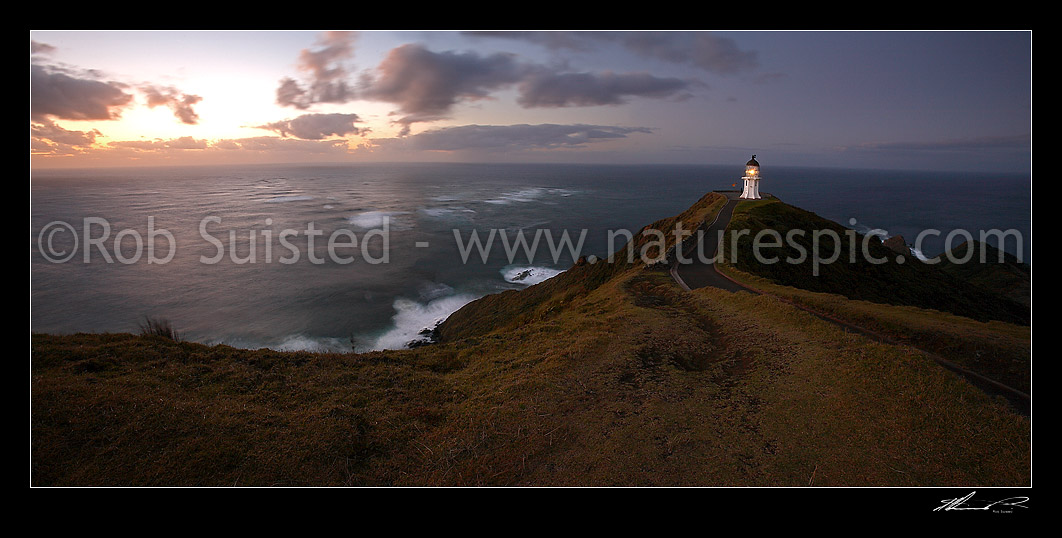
430,335
522,275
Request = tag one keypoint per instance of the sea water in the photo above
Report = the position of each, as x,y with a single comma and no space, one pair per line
402,259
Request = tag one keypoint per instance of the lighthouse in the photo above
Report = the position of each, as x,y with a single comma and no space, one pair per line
751,191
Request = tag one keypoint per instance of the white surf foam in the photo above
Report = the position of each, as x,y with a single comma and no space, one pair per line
864,230
528,275
292,198
434,290
294,342
446,213
298,342
918,253
412,319
374,219
530,194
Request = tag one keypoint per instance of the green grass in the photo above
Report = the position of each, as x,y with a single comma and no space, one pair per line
1001,271
853,274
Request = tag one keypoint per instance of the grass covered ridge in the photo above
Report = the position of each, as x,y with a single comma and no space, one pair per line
853,275
608,374
997,350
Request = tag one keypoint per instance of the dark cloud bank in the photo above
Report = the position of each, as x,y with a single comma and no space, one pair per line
702,50
425,85
57,94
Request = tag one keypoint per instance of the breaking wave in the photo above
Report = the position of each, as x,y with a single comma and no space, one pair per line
374,219
290,198
414,321
448,213
528,195
294,342
528,275
863,229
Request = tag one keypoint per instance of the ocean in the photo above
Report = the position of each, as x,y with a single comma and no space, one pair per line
242,256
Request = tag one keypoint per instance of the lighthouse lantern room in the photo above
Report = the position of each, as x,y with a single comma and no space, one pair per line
751,190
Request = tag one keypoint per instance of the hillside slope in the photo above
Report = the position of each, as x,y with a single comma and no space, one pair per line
608,374
1000,271
877,274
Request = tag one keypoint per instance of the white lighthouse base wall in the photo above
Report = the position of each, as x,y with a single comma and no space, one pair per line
751,190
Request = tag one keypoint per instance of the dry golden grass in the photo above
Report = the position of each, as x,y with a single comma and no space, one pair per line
997,350
607,375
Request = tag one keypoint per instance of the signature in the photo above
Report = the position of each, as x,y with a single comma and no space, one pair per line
965,503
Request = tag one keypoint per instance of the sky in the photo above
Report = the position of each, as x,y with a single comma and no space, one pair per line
933,100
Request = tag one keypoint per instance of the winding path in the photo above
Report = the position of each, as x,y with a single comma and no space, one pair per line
697,271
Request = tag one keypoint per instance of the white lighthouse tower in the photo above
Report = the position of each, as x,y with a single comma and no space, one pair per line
751,191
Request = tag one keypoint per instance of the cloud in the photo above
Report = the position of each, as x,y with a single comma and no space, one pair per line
48,130
510,137
182,143
1007,152
587,89
226,144
56,94
180,103
703,50
323,63
275,144
69,93
269,144
290,93
186,150
48,138
426,84
551,40
315,126
327,74
1016,142
40,48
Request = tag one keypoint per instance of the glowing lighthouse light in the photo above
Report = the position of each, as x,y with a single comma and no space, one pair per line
751,190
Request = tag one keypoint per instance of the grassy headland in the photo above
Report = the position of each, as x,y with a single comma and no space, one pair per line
608,374
973,314
876,275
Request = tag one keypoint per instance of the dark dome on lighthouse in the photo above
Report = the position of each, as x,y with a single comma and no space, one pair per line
752,162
